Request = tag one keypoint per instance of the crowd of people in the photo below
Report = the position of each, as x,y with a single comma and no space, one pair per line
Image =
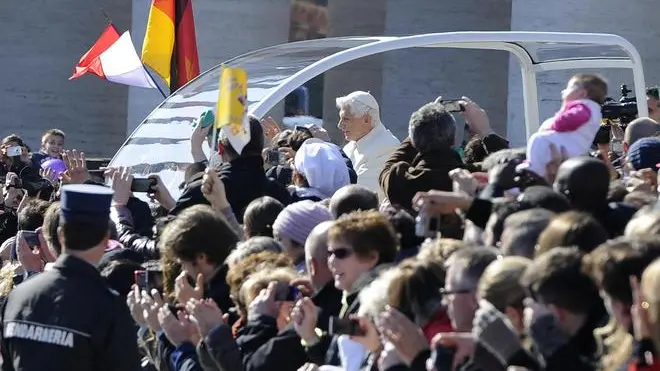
298,254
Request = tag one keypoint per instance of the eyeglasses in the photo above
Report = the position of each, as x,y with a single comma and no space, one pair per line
340,253
445,292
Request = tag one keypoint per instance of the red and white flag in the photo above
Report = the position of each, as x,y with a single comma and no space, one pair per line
113,57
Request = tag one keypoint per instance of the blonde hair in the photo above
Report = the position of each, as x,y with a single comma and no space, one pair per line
241,271
260,280
644,223
500,283
373,298
439,250
615,344
7,274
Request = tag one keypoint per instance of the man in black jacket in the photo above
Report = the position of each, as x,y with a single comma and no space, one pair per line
243,173
201,240
67,318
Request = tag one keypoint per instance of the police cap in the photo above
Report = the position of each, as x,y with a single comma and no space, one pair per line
85,203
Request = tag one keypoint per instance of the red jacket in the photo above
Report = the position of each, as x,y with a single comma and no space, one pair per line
440,322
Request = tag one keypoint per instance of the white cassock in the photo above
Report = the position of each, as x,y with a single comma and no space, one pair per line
369,155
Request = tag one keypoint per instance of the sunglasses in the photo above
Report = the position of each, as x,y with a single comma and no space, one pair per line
340,253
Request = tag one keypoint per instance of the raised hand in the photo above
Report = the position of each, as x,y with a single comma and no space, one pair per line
270,127
179,329
305,317
76,165
400,331
213,190
206,315
184,292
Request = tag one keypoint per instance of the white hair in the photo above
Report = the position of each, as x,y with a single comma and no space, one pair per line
374,297
358,107
252,246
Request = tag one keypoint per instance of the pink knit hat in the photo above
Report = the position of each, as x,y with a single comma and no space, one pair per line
297,220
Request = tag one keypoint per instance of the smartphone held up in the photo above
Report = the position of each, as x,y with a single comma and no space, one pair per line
345,326
275,157
14,151
143,185
32,238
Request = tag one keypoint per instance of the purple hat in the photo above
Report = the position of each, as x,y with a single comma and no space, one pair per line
56,165
297,220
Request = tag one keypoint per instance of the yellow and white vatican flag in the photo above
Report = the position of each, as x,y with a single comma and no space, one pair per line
231,111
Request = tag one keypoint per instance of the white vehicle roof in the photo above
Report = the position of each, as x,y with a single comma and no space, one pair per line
160,144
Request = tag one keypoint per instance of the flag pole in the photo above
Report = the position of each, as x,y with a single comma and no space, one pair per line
154,81
105,15
107,19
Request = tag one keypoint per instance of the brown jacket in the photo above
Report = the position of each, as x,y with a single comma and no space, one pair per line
408,172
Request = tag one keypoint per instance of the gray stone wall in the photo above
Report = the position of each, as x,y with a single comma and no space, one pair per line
413,77
353,18
636,21
40,43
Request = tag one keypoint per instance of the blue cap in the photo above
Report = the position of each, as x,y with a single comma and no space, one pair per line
85,203
645,153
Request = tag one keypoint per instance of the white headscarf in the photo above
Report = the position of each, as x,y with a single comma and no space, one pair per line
323,166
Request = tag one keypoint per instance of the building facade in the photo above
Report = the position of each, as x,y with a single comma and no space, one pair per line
40,43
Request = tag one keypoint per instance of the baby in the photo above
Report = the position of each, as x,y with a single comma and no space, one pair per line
52,144
574,126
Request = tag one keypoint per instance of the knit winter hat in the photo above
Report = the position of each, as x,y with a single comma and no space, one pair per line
645,153
297,220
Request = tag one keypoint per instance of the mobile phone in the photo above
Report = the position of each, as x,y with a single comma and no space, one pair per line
345,326
275,157
14,151
175,309
426,226
287,293
442,357
31,238
143,185
141,279
453,105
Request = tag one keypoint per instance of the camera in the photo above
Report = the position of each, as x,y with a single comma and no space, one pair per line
427,226
624,110
345,326
619,113
275,157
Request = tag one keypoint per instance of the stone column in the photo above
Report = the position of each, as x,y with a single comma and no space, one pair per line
225,29
413,77
637,22
41,43
352,18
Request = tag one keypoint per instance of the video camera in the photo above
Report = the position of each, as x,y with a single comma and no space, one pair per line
619,113
624,110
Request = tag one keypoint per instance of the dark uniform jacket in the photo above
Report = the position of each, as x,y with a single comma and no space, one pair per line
67,319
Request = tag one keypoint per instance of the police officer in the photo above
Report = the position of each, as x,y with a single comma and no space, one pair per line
67,318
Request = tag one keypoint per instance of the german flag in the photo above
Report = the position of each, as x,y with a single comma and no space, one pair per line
170,45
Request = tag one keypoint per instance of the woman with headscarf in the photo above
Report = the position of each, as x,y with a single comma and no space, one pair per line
319,171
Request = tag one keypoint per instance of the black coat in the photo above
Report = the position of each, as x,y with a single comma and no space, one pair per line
245,181
216,288
262,346
74,322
